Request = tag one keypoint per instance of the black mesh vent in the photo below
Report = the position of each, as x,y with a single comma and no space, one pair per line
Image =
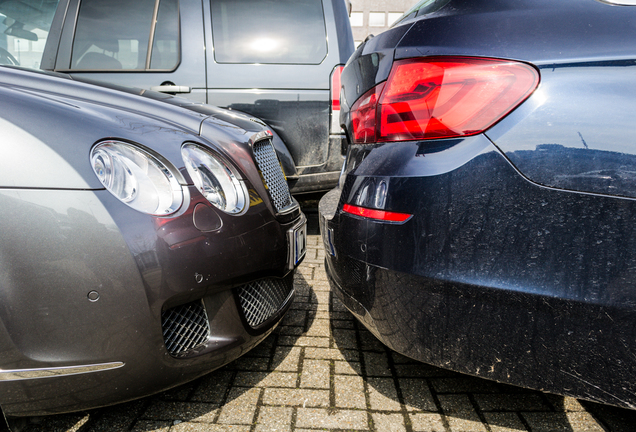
260,300
272,173
184,327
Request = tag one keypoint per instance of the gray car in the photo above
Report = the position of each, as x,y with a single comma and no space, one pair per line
276,60
144,241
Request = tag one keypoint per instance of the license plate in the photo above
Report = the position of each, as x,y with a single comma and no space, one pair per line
297,243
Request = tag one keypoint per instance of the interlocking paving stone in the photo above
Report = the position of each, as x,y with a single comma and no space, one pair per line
306,398
427,423
383,395
506,402
376,364
348,368
471,424
332,354
190,411
554,422
345,339
295,318
417,395
275,419
251,363
334,419
322,370
286,359
212,387
388,422
241,406
204,427
319,327
264,379
420,371
154,426
349,391
315,374
304,341
464,384
456,404
504,422
561,403
343,324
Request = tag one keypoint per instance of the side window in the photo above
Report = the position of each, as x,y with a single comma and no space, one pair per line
23,32
116,34
165,46
269,31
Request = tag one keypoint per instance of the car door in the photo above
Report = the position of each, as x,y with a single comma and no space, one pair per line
134,43
271,59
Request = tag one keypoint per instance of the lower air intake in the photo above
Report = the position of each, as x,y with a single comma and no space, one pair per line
184,327
262,299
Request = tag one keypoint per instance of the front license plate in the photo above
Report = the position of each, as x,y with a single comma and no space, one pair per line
297,243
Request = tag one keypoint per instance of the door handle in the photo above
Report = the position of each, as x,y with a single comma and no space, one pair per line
171,89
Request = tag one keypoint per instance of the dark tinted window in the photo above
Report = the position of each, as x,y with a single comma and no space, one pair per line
269,31
114,34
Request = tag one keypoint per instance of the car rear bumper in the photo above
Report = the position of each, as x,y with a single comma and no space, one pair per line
493,276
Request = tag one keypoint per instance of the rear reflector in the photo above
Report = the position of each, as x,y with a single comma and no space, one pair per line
376,214
441,97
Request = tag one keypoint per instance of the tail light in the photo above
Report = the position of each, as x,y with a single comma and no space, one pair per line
435,97
380,215
335,100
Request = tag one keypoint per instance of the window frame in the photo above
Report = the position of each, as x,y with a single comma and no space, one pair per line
146,69
314,63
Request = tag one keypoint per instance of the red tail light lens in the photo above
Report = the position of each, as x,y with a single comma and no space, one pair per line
363,116
376,214
335,87
431,98
335,100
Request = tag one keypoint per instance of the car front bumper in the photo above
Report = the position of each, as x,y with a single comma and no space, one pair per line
493,275
102,304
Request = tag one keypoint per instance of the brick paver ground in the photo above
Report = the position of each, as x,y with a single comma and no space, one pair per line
320,370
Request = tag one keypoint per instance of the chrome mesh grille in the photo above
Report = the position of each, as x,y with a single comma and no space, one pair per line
260,300
184,327
272,173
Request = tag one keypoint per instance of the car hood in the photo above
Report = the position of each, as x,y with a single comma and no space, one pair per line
49,123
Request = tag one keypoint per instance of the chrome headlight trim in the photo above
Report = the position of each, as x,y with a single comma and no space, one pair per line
217,180
137,177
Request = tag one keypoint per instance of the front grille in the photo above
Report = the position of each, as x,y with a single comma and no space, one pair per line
184,327
272,173
261,300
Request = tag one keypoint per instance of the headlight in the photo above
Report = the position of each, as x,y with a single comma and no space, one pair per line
215,179
137,178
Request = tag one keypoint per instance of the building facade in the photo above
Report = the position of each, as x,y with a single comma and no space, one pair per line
375,16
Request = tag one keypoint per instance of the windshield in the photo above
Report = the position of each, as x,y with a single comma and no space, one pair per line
24,27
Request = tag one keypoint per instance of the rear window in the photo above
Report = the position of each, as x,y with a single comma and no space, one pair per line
269,31
116,34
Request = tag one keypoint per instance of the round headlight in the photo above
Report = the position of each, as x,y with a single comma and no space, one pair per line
137,178
215,179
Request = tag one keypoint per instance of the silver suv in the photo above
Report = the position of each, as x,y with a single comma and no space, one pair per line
278,60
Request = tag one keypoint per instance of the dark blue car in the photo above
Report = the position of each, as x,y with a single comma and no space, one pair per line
485,218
